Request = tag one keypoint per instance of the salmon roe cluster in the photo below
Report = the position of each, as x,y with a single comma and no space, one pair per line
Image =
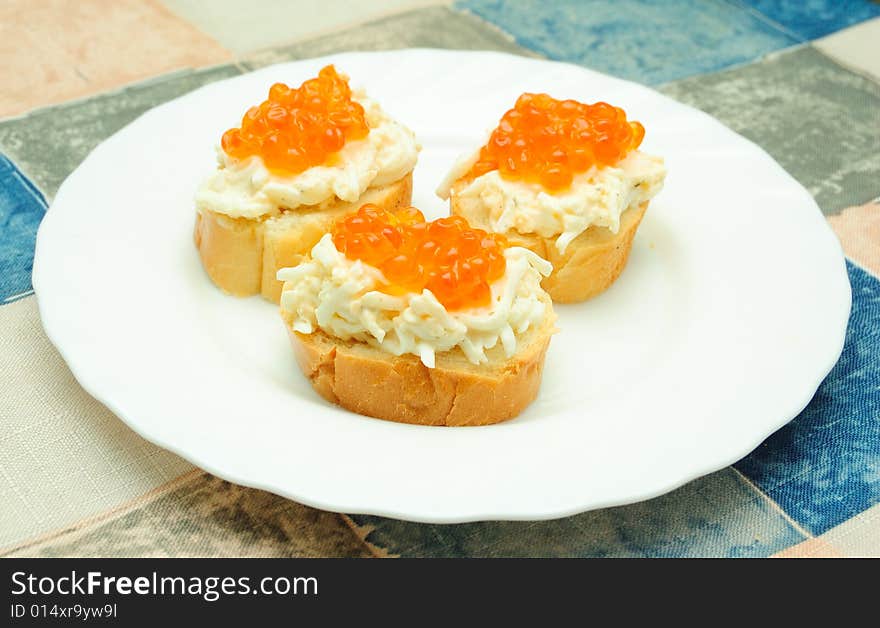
548,141
298,128
446,256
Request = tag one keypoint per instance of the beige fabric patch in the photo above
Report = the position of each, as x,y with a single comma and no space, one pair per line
855,47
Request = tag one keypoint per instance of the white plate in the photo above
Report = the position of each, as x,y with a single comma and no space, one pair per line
731,311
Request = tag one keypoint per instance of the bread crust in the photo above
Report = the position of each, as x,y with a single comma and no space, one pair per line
591,262
242,255
455,392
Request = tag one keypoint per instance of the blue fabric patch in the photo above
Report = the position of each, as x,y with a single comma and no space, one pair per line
809,19
22,207
650,41
824,467
719,515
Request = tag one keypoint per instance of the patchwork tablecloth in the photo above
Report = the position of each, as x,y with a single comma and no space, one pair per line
802,79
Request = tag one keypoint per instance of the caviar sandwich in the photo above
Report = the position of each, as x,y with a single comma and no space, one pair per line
566,180
419,322
299,160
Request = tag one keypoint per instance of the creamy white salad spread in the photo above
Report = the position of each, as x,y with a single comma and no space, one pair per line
341,297
596,197
247,189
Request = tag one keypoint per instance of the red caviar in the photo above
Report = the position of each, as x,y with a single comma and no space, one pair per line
548,141
297,128
446,256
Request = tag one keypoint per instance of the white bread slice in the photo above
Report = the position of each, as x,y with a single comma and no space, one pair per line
455,392
591,262
242,255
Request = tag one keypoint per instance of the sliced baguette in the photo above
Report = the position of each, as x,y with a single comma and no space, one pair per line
591,262
242,256
455,392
